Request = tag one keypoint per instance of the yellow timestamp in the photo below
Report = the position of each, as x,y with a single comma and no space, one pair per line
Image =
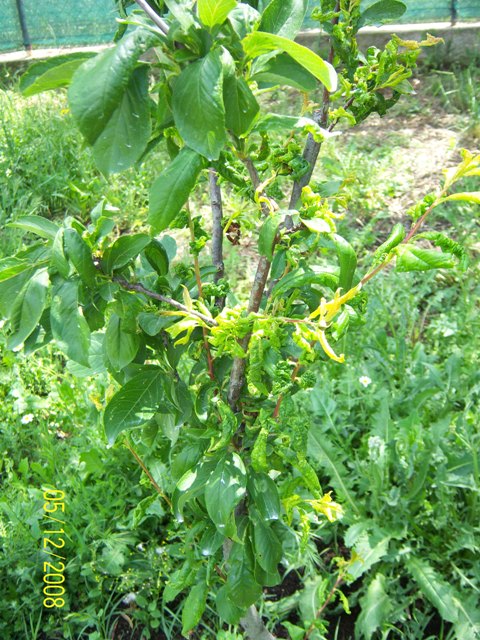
52,542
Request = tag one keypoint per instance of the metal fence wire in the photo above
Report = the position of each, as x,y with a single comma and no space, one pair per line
70,23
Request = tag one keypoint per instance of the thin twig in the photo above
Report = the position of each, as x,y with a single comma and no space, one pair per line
217,231
139,288
147,472
324,605
153,15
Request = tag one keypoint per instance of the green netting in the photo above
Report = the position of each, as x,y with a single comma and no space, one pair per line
72,23
65,23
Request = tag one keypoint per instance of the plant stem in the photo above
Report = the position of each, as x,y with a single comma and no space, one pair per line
147,472
217,231
198,278
154,17
324,605
139,288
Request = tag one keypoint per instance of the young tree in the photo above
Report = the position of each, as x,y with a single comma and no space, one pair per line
205,375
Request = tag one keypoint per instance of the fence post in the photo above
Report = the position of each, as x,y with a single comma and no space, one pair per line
27,43
454,11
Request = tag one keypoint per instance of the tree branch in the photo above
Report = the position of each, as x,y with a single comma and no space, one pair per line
154,17
217,231
237,375
254,627
139,288
312,148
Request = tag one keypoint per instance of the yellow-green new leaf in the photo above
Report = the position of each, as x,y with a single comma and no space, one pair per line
260,43
472,196
212,12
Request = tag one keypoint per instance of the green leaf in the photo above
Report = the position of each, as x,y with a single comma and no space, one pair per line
347,259
264,495
259,43
244,19
268,549
227,610
123,250
304,277
198,107
413,258
99,84
36,224
191,485
243,590
80,255
241,106
172,188
157,257
14,273
382,11
194,606
224,490
267,236
283,69
317,225
284,17
376,607
126,134
59,261
393,240
69,327
134,404
121,345
370,549
435,589
28,308
212,12
52,73
471,196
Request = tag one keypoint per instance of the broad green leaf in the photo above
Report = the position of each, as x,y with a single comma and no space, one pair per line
191,485
242,588
28,308
126,134
36,224
198,107
283,69
471,196
212,12
121,345
134,404
69,327
244,19
194,606
96,358
157,257
14,273
241,106
226,609
264,495
224,490
267,236
99,84
171,189
123,250
347,259
178,581
317,225
284,17
382,11
413,258
59,261
434,588
52,73
376,607
80,255
152,323
268,550
259,43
